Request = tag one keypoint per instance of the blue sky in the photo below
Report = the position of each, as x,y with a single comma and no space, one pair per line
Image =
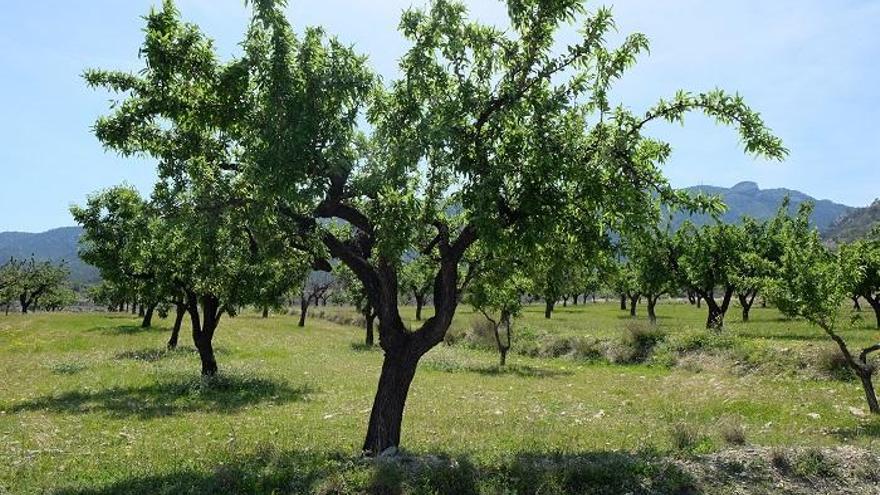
809,66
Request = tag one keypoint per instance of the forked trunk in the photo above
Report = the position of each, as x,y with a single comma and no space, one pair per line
386,417
746,300
175,330
715,319
203,329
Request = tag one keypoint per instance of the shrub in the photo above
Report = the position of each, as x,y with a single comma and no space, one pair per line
481,334
586,348
732,432
831,362
813,463
555,346
636,343
683,436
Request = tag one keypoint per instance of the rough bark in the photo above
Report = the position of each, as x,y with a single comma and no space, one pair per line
386,416
203,328
715,319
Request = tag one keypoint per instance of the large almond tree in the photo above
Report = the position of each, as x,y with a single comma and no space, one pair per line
488,134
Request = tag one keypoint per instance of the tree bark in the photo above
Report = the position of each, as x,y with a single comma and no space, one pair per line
870,394
875,305
148,316
303,309
715,320
386,417
652,303
175,330
574,300
746,300
420,302
203,329
633,302
265,311
369,338
548,309
503,345
856,305
25,304
623,302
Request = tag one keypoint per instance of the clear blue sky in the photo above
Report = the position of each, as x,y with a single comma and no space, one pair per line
810,66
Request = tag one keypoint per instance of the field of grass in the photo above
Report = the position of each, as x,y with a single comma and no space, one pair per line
91,403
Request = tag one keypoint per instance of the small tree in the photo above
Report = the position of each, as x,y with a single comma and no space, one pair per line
417,280
33,281
315,287
651,269
813,284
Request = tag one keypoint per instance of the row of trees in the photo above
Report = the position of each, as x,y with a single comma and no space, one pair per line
491,150
32,284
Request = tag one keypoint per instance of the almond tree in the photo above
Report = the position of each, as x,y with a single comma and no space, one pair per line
865,254
524,139
812,283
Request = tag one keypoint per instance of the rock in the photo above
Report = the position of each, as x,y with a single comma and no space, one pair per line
814,416
857,412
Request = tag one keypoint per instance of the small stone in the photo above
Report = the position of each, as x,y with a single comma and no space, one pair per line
857,412
814,416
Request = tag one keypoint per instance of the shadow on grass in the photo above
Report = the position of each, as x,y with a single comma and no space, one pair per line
128,329
225,393
869,429
518,370
153,354
273,471
361,347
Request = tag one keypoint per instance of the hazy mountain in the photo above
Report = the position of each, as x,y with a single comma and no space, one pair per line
53,245
747,199
855,224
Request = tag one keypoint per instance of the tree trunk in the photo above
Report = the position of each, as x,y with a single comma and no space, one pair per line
574,300
141,311
870,395
148,316
652,303
746,300
503,345
25,304
699,301
633,302
565,301
875,305
420,302
548,309
715,320
856,305
369,339
265,311
623,302
303,309
203,330
386,417
175,331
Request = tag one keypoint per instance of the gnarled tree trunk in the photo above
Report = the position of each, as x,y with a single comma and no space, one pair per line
203,328
148,316
633,302
652,304
746,299
715,319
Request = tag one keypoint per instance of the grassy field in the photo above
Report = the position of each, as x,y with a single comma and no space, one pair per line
90,403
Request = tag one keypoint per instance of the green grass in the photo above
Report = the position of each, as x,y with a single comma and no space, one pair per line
90,403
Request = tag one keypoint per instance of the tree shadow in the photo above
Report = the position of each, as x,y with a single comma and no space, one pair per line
225,394
272,471
518,370
153,354
127,329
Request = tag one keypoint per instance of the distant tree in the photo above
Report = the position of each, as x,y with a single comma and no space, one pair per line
9,279
35,281
707,261
351,291
812,284
865,255
650,271
316,287
417,280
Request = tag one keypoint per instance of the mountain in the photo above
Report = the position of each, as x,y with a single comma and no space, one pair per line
747,199
53,245
855,224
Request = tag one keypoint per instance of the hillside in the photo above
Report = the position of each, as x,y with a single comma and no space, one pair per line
856,224
55,245
746,198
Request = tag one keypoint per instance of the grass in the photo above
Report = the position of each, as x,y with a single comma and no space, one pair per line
91,403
